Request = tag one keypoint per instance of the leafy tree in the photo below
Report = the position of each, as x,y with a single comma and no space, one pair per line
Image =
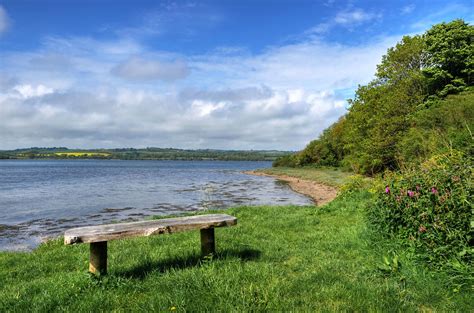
397,118
450,56
403,64
443,126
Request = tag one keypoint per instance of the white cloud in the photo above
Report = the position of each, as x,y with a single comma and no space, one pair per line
329,3
4,20
122,117
279,99
29,91
312,64
348,18
320,29
408,9
140,69
355,17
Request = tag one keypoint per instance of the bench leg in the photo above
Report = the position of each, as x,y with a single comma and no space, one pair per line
98,258
208,243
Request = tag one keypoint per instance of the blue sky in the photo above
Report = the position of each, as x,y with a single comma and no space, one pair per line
192,74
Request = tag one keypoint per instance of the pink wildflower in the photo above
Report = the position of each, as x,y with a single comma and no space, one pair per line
411,193
434,190
387,190
422,229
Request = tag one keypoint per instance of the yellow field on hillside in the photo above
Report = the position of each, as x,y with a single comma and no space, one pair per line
82,154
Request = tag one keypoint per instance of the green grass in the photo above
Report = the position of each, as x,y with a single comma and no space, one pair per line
329,176
276,259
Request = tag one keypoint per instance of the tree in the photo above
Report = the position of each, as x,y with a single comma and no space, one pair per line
450,57
404,63
384,125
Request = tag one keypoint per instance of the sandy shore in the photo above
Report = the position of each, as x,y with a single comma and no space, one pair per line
320,193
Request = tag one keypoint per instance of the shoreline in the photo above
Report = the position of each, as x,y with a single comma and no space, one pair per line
318,192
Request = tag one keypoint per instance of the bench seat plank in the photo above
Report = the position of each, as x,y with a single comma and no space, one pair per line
91,234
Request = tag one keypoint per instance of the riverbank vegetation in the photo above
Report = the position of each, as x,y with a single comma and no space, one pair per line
420,104
330,176
276,259
411,130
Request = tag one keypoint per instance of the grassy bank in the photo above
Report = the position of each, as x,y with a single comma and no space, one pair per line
329,176
277,259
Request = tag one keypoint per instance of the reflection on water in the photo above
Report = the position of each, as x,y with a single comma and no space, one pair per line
42,198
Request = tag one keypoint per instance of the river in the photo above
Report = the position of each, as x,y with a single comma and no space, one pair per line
39,199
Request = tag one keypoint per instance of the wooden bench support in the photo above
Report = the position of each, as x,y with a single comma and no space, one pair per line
98,258
208,242
98,235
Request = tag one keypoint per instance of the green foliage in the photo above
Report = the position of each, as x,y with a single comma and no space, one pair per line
327,150
390,265
429,207
289,160
403,64
354,184
444,125
403,115
377,120
450,55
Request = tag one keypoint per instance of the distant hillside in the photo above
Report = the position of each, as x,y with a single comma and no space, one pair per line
143,154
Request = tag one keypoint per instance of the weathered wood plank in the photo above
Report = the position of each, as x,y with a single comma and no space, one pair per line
109,232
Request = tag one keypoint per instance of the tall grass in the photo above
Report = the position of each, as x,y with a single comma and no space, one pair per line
325,175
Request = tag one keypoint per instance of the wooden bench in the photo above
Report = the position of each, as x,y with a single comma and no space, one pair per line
98,236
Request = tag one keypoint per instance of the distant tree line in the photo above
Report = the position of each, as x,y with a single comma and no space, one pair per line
143,154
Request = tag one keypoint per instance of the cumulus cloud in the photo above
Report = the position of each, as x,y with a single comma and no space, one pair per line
235,95
141,69
4,20
28,91
120,117
280,98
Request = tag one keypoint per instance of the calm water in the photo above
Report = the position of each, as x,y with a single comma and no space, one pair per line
42,198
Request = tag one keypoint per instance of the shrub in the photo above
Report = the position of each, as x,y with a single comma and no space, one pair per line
429,207
285,161
355,183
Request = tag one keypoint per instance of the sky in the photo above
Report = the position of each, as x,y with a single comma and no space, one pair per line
222,74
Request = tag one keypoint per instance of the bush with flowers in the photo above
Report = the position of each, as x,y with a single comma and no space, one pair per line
429,207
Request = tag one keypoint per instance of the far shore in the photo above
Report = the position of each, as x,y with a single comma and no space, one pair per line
320,193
